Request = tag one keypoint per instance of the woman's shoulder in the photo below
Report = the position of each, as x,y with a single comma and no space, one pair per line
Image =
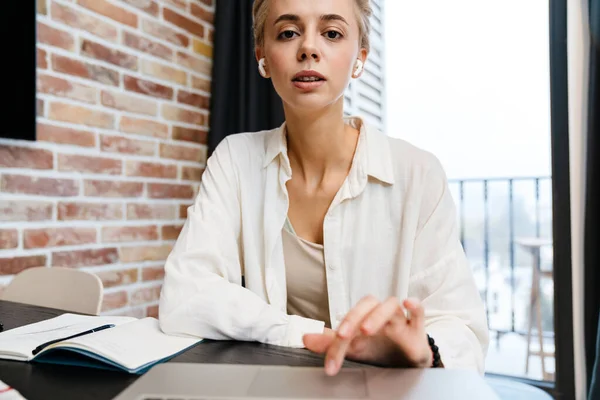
246,150
408,158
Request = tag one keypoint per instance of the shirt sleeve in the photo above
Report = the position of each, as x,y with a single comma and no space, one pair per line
442,279
202,294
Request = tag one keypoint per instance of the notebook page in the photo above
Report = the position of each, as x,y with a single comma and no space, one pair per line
18,343
134,344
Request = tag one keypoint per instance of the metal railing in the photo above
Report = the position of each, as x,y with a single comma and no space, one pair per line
482,199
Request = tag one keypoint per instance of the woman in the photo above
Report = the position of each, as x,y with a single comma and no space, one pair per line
346,238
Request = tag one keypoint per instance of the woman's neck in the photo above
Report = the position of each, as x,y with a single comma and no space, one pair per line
320,143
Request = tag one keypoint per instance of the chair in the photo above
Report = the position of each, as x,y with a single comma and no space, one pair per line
56,287
594,390
533,245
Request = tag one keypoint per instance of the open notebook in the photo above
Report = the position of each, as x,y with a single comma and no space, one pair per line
132,345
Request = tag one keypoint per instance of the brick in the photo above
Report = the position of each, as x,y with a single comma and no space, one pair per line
54,237
39,186
192,173
150,169
148,6
151,211
194,63
42,59
193,99
145,253
143,127
39,107
124,102
79,20
207,2
189,134
97,188
170,232
145,295
202,48
55,37
9,239
85,258
152,311
118,277
114,234
63,88
183,210
163,32
62,135
147,46
174,113
81,115
85,70
111,56
164,72
111,11
185,153
115,300
23,210
177,3
118,144
14,265
89,211
170,191
147,87
90,164
41,7
201,84
183,22
25,157
153,273
202,13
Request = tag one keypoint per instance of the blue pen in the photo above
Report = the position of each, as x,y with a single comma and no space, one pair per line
44,345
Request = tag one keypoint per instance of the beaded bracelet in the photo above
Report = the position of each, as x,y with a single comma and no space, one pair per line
437,362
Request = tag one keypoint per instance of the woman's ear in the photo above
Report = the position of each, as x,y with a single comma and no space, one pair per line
262,69
359,64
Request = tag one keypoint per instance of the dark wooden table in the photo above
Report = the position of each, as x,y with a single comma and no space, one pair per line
46,381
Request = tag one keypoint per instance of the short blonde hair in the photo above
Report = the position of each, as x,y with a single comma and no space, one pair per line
260,12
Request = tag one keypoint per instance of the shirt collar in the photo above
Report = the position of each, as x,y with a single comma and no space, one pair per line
373,152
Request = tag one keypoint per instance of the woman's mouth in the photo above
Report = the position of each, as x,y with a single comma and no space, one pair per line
308,80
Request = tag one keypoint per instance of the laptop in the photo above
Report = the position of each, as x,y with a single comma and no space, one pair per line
179,381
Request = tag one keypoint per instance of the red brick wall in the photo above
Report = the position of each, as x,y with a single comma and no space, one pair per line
123,95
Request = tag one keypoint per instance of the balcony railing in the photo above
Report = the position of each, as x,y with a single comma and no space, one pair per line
493,213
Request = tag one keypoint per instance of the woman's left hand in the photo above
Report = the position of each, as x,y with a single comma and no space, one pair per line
378,333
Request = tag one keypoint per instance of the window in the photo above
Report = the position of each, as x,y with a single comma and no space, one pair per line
474,83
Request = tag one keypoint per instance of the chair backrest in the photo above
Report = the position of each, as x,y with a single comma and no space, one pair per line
56,287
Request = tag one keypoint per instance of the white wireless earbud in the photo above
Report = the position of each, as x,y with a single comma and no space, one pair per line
359,67
261,68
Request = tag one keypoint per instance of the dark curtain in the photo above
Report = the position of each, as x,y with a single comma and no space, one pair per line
592,211
241,100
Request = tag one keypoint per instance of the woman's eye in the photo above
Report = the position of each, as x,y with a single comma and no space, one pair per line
333,35
287,34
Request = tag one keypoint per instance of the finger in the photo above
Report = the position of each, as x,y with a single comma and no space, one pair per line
347,330
396,325
380,316
318,342
356,315
417,313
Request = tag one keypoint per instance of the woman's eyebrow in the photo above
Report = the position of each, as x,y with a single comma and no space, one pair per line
296,18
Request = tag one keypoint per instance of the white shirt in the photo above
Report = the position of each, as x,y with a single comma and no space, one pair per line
391,230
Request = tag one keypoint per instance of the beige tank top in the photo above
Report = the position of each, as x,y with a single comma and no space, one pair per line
305,277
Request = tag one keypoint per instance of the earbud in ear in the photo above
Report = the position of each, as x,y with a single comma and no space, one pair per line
261,67
358,67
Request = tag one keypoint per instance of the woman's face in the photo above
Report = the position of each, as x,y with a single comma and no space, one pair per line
310,49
